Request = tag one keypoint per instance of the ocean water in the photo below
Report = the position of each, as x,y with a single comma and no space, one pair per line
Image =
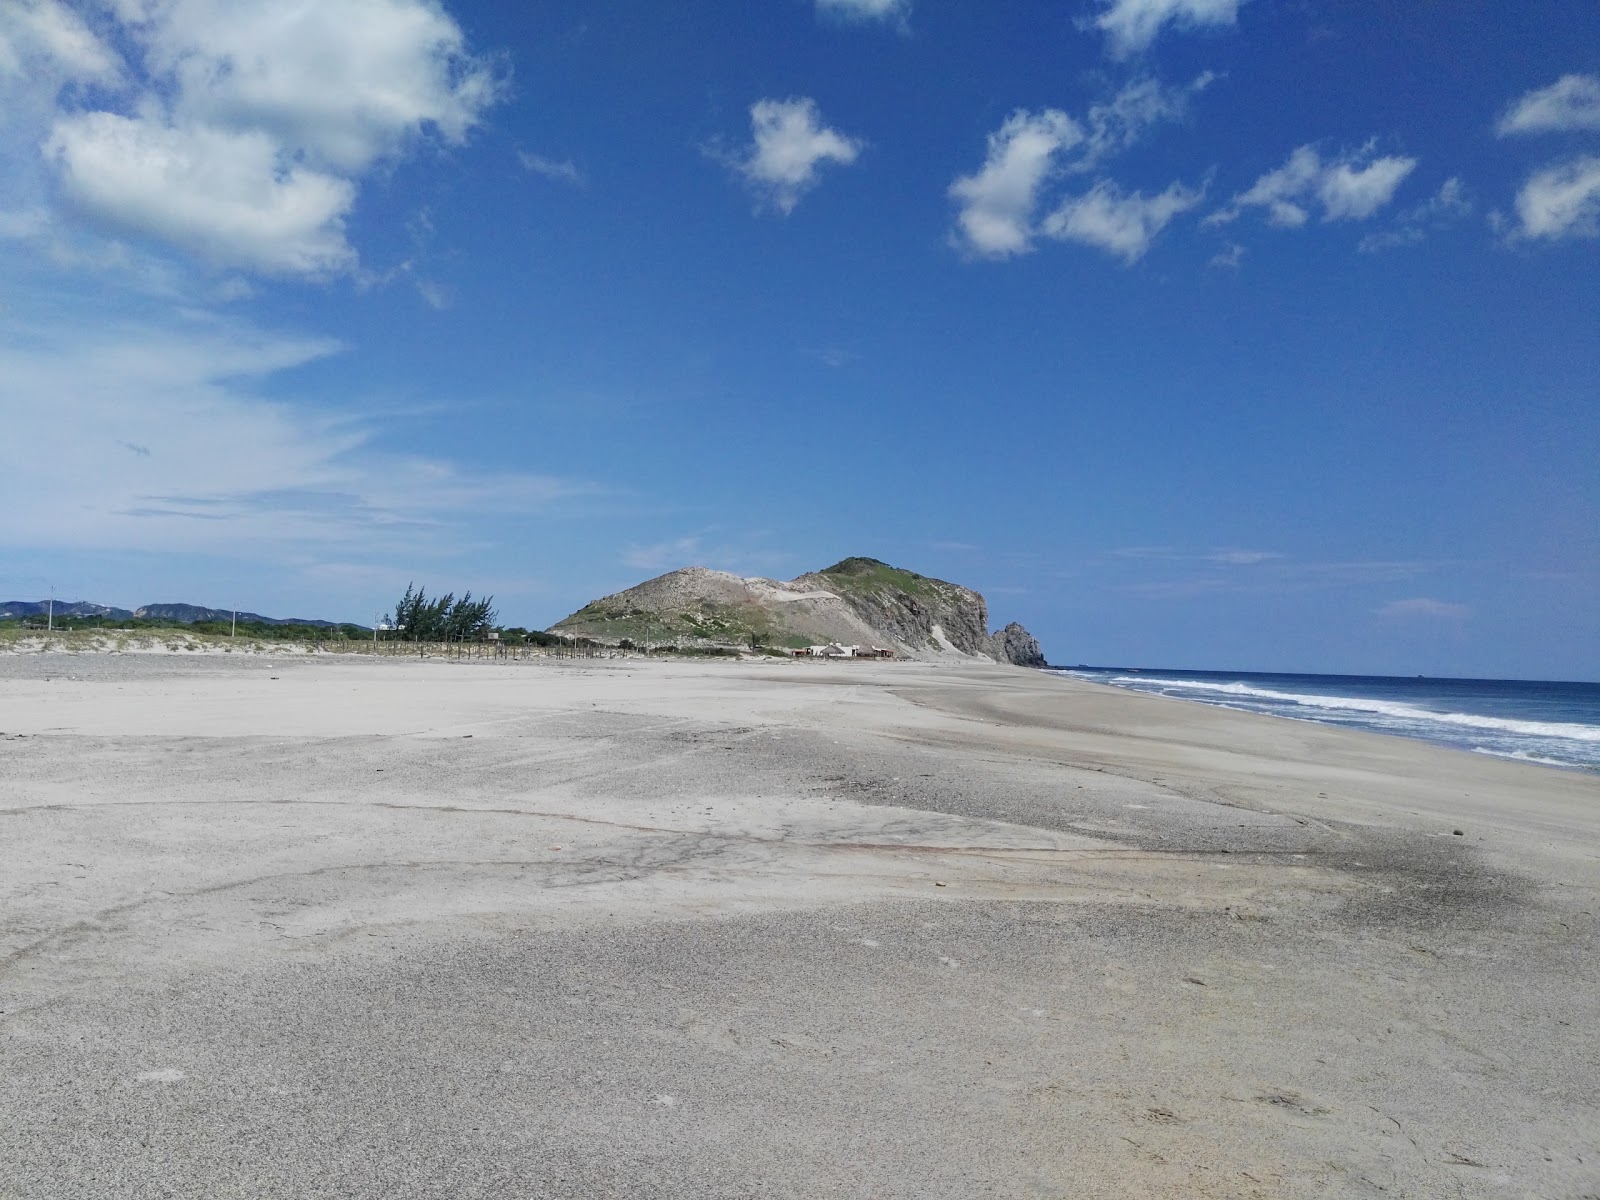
1557,724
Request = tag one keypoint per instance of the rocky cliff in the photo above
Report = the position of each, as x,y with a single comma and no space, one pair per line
858,601
908,609
1014,644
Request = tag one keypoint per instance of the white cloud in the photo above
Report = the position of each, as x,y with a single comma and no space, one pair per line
1571,102
997,203
47,36
561,171
790,144
1353,193
1562,200
242,130
1119,223
1423,607
343,81
1449,204
865,10
995,218
227,196
1350,188
1131,25
157,438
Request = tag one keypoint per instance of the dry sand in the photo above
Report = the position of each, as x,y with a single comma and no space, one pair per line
319,928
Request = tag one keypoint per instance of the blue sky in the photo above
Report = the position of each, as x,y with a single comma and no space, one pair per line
1211,333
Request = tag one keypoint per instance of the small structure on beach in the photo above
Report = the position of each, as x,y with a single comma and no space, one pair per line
839,650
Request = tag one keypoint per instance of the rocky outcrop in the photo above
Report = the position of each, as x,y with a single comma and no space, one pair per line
859,601
1016,645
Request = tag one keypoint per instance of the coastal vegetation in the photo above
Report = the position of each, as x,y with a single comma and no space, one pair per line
448,618
273,630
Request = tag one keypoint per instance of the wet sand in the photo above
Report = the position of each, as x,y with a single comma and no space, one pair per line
309,928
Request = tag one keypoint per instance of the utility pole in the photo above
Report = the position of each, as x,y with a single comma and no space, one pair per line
234,629
50,621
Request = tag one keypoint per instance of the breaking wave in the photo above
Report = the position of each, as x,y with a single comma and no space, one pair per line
1551,723
1353,704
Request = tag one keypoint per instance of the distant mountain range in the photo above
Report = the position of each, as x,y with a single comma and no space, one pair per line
179,614
77,608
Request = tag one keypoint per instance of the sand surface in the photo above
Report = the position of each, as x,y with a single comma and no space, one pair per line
322,928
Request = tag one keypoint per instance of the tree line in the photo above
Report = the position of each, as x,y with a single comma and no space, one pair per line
448,618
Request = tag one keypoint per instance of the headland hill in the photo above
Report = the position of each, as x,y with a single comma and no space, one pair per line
857,602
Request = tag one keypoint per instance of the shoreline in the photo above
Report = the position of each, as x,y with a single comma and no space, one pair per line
182,644
628,926
1436,719
187,645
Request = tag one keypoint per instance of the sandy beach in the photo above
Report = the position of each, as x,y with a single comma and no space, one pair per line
315,927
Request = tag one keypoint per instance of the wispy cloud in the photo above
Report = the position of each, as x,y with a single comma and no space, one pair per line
1131,26
833,356
863,11
1114,125
1235,571
1447,206
1241,558
1228,259
435,295
1570,103
158,437
1351,187
664,556
741,555
1230,557
789,146
1421,607
558,170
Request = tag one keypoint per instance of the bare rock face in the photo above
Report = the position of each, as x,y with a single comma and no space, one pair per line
1014,644
907,609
